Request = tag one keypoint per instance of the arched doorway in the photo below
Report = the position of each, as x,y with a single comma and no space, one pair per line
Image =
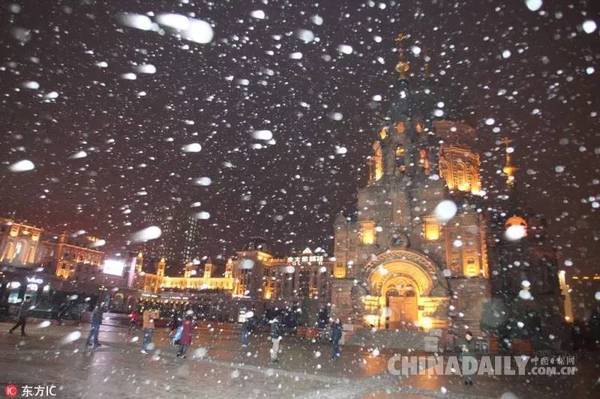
401,303
397,288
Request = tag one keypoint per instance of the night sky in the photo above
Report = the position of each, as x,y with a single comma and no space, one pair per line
534,73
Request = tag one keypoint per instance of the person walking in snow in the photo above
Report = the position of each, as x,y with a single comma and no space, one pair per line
336,336
134,319
247,327
185,340
148,318
174,322
275,339
63,311
96,322
467,354
24,310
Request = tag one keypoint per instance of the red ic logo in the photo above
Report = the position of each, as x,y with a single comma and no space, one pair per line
11,391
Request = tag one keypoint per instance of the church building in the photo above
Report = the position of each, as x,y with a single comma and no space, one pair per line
415,255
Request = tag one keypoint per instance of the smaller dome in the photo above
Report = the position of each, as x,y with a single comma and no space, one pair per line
516,228
515,221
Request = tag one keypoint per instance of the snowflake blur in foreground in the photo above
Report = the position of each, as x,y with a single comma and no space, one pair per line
147,234
445,210
24,165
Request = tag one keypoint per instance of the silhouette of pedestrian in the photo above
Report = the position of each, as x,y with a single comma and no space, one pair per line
96,322
275,339
24,310
336,336
247,327
467,353
148,318
186,336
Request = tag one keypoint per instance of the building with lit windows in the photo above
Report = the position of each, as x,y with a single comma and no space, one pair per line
25,245
38,265
66,256
259,275
190,281
179,242
19,242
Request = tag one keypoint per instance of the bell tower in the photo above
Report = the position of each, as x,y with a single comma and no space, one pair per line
208,269
229,268
160,267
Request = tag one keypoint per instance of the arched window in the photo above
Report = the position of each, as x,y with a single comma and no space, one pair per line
377,162
400,152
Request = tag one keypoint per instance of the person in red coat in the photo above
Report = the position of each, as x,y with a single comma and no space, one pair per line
186,336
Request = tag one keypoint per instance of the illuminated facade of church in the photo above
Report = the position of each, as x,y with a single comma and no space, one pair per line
416,252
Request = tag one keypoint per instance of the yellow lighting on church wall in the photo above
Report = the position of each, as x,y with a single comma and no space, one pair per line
565,289
371,320
426,323
378,171
376,162
372,302
383,133
368,233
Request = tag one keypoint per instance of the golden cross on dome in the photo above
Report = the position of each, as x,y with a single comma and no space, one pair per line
401,37
509,169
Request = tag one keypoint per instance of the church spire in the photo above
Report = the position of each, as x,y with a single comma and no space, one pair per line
509,169
402,149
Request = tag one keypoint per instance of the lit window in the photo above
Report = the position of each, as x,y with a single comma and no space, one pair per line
471,264
339,270
377,162
432,229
